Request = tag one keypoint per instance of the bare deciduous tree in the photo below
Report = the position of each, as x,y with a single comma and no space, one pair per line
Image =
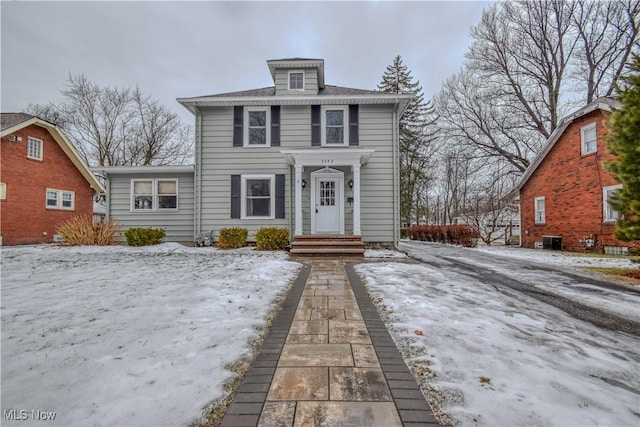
117,126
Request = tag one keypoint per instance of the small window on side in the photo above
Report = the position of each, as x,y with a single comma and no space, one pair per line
588,139
540,210
34,148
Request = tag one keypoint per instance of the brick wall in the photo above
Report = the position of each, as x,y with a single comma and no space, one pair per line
23,215
572,186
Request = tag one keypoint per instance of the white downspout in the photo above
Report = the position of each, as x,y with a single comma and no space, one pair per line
197,211
396,195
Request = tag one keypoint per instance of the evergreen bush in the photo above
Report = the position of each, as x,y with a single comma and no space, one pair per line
144,236
232,238
272,238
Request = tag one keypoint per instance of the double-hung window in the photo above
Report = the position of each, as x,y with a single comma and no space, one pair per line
256,131
154,194
609,214
257,198
588,139
34,148
335,132
296,80
60,199
540,211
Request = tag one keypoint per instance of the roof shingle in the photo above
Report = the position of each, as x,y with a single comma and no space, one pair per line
8,120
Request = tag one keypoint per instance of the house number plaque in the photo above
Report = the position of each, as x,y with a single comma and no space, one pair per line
327,161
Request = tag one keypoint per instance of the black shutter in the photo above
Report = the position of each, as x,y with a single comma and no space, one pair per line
275,125
238,115
353,125
279,196
315,125
235,196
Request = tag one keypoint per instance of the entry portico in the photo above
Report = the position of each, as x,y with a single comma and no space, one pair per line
327,187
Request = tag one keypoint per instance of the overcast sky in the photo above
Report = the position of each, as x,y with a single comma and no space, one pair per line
183,49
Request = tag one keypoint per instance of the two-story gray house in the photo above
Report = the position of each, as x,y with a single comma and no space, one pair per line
313,158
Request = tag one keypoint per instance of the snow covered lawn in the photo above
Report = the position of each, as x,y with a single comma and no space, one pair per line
503,359
129,336
558,258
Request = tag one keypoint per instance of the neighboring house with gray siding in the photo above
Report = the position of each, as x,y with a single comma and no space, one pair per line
309,157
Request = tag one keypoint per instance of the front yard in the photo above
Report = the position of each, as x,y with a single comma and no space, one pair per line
129,336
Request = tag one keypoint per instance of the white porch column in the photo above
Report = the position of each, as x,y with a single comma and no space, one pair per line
298,231
356,199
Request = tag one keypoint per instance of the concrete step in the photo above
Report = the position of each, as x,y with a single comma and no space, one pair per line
327,245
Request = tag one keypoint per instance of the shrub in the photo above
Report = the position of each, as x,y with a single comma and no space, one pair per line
144,236
272,238
453,234
404,233
232,238
81,230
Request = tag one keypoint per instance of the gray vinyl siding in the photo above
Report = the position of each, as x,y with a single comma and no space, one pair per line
220,160
376,177
310,82
177,224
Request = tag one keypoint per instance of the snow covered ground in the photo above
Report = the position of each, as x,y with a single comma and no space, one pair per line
129,336
502,358
556,258
141,336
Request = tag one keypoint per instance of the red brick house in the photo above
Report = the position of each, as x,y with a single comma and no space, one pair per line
564,192
43,181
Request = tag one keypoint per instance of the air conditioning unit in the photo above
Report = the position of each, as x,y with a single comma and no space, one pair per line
11,138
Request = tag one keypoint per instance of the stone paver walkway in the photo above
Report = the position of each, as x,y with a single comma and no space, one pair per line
328,361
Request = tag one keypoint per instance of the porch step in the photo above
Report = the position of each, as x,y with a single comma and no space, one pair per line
327,246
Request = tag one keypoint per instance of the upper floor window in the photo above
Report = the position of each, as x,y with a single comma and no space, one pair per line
333,125
3,190
34,148
154,194
256,130
609,214
539,209
296,80
60,199
588,139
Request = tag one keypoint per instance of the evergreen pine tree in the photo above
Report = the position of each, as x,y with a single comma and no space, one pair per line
624,142
413,139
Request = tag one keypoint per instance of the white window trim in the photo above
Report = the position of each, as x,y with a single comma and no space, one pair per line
535,210
289,80
243,196
245,139
605,203
3,191
154,195
35,140
345,124
59,200
583,142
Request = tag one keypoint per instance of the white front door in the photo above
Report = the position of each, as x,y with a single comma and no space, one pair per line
328,205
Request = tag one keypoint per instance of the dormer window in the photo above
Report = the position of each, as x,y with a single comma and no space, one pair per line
296,80
588,139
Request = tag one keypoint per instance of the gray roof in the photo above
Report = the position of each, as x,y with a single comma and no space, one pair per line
328,90
8,120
